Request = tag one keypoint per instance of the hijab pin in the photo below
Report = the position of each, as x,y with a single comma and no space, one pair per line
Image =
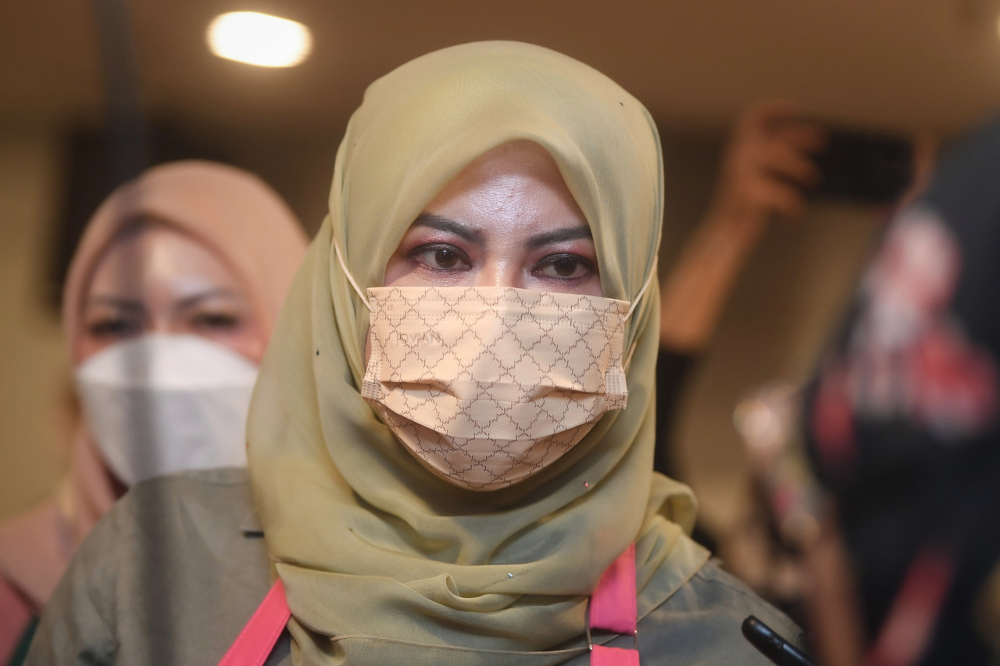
510,575
586,484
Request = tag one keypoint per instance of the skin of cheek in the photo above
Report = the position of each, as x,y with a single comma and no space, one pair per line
164,268
248,341
88,345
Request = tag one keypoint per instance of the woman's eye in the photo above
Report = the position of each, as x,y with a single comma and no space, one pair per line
216,321
565,267
448,258
114,327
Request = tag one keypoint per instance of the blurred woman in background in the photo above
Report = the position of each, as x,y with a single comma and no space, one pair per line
167,309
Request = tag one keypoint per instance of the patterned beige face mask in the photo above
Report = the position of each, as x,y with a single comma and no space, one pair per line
486,386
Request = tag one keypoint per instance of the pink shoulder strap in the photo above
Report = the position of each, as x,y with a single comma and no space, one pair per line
257,639
612,607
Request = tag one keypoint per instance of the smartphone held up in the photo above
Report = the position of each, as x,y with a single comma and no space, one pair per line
864,167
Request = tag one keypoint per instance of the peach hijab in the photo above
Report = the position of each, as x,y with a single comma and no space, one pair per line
230,211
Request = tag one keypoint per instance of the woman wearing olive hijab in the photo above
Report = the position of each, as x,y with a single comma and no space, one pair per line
451,437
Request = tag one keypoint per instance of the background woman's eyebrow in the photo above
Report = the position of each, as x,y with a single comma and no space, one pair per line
121,303
449,226
195,299
559,236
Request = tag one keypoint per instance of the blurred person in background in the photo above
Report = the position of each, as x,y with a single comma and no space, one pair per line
903,433
168,306
765,173
769,168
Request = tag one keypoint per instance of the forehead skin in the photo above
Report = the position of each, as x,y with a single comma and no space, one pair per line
157,261
509,214
507,187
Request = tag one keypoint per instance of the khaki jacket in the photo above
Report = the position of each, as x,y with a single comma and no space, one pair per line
173,573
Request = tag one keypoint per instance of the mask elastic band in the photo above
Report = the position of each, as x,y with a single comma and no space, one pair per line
635,302
638,297
628,357
354,284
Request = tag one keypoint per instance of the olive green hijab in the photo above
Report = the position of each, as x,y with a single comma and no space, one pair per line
376,551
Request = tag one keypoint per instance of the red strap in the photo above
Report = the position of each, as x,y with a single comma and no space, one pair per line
16,613
612,607
257,639
601,655
909,625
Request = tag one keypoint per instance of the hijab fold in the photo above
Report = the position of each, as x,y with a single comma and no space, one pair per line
374,549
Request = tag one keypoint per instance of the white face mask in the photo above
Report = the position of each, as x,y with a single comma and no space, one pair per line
487,386
161,403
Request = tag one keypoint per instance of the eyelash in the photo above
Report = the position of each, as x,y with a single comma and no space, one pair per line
114,327
552,259
549,260
416,253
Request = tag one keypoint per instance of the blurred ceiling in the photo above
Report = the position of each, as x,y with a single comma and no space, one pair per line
896,63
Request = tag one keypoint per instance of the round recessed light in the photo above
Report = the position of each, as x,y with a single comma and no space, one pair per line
259,39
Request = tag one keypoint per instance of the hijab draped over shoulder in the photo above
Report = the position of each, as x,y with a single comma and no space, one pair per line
373,549
250,228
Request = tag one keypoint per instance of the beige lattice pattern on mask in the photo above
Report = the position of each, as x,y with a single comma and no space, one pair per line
487,386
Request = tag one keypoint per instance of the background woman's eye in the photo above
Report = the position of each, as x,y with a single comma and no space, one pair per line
114,327
216,321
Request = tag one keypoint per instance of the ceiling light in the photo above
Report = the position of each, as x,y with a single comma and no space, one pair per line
259,39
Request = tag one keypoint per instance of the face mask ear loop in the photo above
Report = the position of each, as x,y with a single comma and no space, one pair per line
635,302
350,278
645,286
628,358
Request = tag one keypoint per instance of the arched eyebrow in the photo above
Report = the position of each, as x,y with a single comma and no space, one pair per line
449,226
196,299
475,236
559,236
